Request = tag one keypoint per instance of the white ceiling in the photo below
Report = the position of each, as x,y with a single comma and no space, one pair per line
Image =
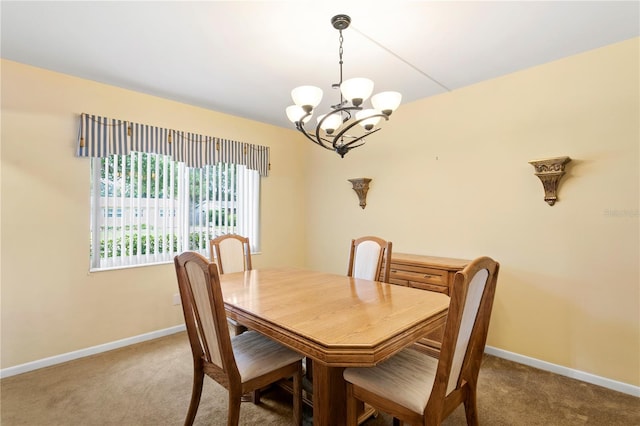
244,57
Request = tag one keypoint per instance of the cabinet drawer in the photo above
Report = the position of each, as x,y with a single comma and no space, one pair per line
428,286
393,280
420,274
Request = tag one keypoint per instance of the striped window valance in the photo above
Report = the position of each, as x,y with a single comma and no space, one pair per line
101,137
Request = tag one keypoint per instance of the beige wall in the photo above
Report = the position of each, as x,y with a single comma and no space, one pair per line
450,177
50,303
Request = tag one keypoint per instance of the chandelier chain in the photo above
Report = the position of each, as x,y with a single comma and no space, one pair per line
337,85
340,51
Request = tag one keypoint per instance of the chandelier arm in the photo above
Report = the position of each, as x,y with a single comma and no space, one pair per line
336,109
342,108
350,126
320,141
355,146
345,147
318,134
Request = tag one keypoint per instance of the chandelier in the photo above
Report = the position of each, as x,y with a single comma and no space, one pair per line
346,124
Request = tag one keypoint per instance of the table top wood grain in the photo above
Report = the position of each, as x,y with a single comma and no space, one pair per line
334,319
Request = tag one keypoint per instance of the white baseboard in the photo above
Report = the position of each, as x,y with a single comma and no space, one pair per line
564,371
500,353
69,356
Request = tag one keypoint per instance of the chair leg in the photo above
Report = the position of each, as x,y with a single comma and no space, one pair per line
352,407
297,397
196,393
309,372
471,407
255,396
234,409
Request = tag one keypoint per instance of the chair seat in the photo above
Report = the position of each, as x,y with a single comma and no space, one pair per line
257,355
406,379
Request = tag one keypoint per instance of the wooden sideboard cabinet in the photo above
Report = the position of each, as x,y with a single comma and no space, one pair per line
427,273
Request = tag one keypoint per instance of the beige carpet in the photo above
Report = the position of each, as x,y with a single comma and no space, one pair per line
150,384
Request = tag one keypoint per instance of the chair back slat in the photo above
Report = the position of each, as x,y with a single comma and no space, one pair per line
469,315
204,312
232,255
367,261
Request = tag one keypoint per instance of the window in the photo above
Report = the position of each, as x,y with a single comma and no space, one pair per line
156,192
146,208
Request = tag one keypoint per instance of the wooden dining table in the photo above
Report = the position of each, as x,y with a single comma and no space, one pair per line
334,320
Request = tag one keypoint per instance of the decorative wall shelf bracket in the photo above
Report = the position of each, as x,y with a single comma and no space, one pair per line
361,186
550,170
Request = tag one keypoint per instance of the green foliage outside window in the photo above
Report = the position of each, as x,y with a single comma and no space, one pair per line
219,217
130,247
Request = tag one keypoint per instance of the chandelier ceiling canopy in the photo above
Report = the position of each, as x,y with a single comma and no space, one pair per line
346,124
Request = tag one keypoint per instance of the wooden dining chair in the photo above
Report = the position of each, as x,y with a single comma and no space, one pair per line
370,259
231,253
420,390
241,364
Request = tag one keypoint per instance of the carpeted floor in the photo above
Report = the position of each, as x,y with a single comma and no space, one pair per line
150,384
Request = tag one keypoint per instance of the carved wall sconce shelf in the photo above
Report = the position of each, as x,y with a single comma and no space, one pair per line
550,170
361,186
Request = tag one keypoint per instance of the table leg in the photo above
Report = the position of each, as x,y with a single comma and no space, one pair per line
329,396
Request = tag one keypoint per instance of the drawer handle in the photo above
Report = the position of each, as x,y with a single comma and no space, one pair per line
428,276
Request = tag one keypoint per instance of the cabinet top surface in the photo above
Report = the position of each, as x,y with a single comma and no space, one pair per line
435,261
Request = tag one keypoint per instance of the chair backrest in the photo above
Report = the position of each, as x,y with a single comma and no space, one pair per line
231,253
204,312
466,329
370,259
